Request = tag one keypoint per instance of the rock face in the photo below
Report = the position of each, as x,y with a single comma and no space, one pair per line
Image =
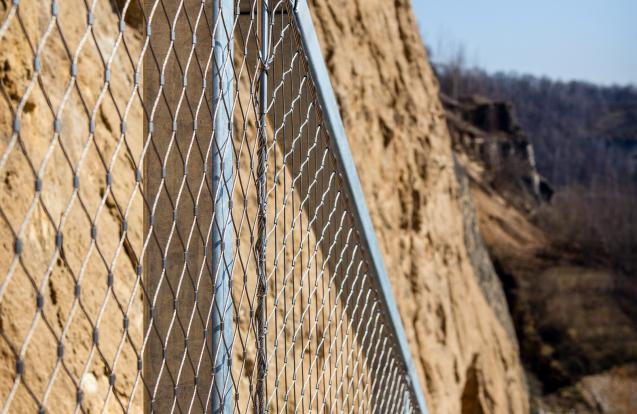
486,132
480,258
55,171
388,98
459,333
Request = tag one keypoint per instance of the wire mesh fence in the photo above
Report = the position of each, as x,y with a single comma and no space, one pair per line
178,230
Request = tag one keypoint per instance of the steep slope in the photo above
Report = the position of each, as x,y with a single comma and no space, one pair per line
388,97
574,312
585,140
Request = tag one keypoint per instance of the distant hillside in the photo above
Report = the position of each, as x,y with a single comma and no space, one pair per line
585,142
560,116
552,168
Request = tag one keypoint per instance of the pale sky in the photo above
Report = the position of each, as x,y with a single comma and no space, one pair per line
593,40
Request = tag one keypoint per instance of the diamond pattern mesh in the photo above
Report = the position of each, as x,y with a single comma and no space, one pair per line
175,231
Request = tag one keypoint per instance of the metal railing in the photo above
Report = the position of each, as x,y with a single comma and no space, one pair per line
182,225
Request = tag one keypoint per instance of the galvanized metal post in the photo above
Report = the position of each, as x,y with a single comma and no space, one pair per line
222,184
262,165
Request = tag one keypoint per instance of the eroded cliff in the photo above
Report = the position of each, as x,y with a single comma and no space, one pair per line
388,98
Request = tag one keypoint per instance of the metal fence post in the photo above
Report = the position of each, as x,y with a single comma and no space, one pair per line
222,185
262,165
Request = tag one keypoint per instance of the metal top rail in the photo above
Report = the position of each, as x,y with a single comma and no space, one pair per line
334,124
